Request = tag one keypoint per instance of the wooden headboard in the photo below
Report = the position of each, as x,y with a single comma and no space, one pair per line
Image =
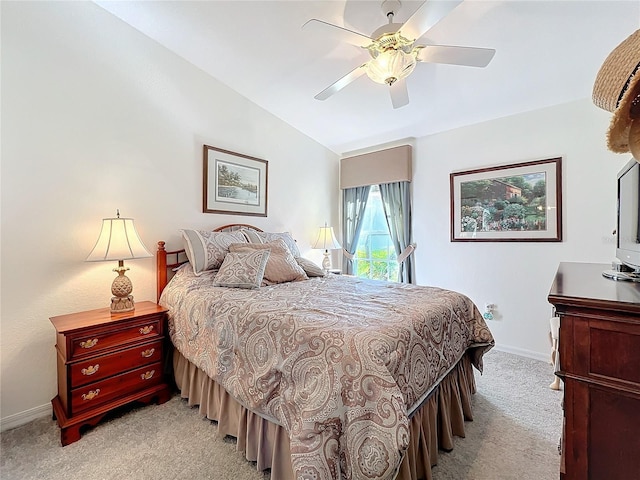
168,260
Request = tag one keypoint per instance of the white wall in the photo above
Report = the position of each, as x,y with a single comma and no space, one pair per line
97,117
517,276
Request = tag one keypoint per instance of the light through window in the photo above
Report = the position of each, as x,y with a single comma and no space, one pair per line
375,256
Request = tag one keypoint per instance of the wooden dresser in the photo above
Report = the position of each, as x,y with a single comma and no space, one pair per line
600,365
105,361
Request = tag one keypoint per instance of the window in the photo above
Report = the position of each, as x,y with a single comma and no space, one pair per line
375,256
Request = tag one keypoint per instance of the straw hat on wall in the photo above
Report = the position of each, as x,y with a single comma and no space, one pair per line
617,90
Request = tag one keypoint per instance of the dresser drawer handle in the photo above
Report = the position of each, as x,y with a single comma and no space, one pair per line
91,395
146,330
91,369
147,375
89,343
148,353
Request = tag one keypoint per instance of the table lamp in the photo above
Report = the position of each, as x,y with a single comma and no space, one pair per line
326,241
119,241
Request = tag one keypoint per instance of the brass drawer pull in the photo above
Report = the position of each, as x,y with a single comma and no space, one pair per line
91,395
146,330
91,369
89,343
148,353
147,375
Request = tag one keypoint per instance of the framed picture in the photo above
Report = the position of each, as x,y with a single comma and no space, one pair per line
234,183
521,202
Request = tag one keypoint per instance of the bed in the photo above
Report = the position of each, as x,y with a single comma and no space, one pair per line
324,376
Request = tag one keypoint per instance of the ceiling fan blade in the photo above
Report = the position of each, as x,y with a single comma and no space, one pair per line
340,84
399,93
467,56
427,15
341,33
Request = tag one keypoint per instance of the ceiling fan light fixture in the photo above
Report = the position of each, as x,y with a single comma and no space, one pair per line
390,65
393,50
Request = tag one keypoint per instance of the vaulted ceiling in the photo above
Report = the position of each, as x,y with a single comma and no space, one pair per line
547,52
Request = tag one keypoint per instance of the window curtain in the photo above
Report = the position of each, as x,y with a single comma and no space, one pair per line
354,202
396,201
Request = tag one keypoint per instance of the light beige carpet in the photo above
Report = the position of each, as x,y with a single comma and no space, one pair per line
516,428
514,435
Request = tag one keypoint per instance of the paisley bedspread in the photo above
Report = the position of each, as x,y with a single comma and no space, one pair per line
338,361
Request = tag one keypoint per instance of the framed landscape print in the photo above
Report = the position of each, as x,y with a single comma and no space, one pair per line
234,183
520,202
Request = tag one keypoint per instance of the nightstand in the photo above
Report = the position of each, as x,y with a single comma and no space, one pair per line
105,361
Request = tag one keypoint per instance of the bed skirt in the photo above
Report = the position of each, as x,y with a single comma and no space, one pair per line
432,426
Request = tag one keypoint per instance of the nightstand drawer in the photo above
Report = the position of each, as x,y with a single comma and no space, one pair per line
90,343
97,368
97,393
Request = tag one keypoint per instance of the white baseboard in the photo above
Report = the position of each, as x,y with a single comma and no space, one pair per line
525,353
20,418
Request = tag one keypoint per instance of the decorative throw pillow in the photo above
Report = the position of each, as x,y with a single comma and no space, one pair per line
265,237
206,250
251,235
281,266
310,268
242,270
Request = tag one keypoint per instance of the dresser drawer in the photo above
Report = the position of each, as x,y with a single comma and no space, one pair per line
97,393
614,351
97,368
99,340
603,349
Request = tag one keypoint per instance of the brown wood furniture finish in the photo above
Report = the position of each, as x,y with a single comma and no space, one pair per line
600,366
105,361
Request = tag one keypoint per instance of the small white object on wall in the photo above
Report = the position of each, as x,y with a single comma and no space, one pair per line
488,311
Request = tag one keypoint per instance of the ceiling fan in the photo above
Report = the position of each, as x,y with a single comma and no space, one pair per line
393,50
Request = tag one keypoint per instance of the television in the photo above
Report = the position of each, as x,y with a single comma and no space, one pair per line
628,224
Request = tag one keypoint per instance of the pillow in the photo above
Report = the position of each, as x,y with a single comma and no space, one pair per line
242,270
251,236
310,268
281,266
206,250
264,237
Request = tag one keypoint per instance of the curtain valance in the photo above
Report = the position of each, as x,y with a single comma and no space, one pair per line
384,166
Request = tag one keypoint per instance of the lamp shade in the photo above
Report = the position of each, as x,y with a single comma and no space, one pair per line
391,65
118,240
326,239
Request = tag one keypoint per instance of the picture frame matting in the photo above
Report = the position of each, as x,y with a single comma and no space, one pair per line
234,183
